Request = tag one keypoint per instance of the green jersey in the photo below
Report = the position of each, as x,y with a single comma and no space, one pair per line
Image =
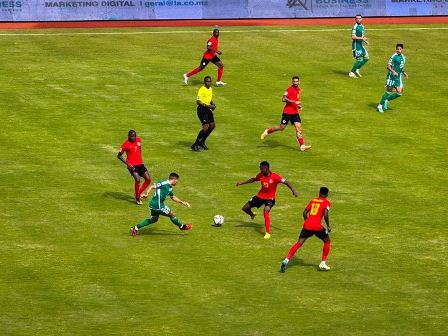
358,31
162,191
397,63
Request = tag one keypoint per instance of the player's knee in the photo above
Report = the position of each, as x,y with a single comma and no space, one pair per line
282,127
154,219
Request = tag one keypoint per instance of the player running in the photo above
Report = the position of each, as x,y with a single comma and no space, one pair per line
133,148
394,79
163,189
205,108
290,114
266,195
210,55
359,52
313,213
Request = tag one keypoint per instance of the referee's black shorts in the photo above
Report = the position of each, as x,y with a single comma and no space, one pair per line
205,115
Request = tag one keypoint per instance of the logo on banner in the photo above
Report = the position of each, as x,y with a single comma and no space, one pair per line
298,3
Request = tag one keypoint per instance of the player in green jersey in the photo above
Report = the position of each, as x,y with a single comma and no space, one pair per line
394,78
163,189
359,52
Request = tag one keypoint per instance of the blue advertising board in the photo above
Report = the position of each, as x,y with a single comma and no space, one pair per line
69,10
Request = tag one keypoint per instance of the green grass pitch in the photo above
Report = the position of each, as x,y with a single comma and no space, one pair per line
68,264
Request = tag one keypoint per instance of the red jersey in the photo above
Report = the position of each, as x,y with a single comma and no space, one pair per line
268,185
133,151
316,209
213,43
293,94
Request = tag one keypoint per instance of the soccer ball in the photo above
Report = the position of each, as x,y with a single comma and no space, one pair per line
218,220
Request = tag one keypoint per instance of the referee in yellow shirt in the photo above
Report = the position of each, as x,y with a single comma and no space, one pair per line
205,114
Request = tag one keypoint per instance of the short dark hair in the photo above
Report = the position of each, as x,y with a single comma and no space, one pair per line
264,163
323,191
207,77
131,131
295,77
173,175
399,45
358,15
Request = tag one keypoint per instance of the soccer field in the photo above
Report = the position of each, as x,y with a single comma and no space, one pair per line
69,265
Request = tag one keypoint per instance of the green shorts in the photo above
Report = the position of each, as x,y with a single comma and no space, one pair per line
360,52
164,211
394,82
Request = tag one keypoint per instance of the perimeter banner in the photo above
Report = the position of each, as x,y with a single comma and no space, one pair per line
71,10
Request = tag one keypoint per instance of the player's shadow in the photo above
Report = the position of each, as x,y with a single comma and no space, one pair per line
119,196
193,82
185,144
244,224
274,144
373,106
259,228
158,232
297,262
341,72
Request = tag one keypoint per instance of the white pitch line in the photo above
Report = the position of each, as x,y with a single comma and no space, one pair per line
223,31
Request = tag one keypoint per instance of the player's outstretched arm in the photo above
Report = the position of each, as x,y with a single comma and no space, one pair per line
147,191
178,200
327,220
251,180
289,185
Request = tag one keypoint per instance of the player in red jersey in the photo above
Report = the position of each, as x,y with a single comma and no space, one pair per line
133,148
290,114
266,196
316,209
210,55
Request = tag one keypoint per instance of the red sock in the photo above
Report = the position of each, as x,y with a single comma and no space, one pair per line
137,188
301,141
145,184
326,250
193,72
220,70
293,250
267,221
270,130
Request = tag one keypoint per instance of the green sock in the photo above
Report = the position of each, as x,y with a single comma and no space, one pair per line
356,65
364,61
394,95
144,223
384,97
176,221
